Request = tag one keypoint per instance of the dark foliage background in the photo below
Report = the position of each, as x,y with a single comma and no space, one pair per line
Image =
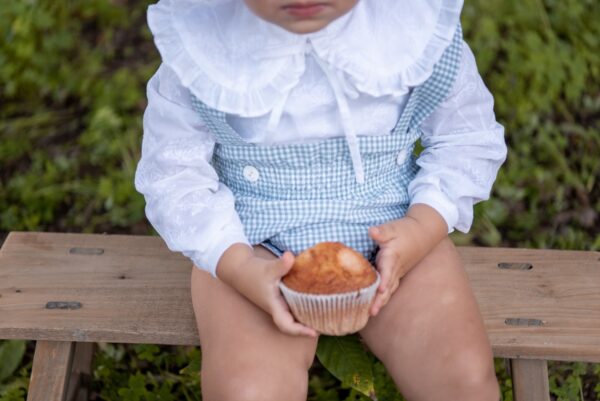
72,76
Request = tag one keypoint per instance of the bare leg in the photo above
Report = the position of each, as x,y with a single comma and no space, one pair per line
430,336
244,356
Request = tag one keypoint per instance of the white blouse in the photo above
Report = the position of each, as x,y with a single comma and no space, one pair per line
280,87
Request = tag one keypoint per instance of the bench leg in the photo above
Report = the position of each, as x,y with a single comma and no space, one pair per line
81,372
51,371
530,380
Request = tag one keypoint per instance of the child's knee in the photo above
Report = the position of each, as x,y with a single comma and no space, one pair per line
254,384
474,376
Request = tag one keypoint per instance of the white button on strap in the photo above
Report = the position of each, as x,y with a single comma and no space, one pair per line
251,173
401,158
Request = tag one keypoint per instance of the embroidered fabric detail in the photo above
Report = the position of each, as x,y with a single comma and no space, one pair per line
239,64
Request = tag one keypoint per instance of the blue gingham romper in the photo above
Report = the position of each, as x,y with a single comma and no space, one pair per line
292,196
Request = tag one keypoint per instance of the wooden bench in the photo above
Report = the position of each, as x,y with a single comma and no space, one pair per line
67,291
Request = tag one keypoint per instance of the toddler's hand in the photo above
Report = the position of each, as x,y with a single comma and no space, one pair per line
392,260
257,279
402,244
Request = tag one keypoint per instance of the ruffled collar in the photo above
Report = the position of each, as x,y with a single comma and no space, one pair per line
237,63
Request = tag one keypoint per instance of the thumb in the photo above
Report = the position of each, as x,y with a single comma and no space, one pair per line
285,263
382,233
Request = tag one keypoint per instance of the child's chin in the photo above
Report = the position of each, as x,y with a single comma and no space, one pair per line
305,26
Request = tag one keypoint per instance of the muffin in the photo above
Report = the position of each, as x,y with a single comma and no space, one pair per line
330,288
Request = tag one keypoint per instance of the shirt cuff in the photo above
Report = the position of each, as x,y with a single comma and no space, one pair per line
208,260
440,202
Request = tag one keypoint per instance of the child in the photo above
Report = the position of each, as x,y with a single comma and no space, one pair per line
273,125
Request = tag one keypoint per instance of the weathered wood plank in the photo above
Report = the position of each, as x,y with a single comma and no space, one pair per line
530,380
136,291
51,371
81,372
551,311
133,289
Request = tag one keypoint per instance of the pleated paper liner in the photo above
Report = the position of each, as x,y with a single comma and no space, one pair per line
332,314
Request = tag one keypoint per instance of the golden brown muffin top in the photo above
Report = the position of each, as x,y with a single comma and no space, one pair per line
329,268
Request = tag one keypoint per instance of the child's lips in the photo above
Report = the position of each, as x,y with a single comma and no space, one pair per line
304,9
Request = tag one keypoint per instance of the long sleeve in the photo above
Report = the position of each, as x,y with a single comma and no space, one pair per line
185,202
463,148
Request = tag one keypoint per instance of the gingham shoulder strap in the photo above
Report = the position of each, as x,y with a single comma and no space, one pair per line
426,97
216,122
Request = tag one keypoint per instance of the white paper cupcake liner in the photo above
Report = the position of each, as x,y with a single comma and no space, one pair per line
335,314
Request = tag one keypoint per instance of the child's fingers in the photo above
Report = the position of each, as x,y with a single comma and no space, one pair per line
284,264
384,297
286,323
382,291
385,263
379,302
375,306
383,232
284,320
384,283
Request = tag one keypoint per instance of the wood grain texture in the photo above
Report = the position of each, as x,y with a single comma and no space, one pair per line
137,291
81,372
530,380
562,290
51,371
